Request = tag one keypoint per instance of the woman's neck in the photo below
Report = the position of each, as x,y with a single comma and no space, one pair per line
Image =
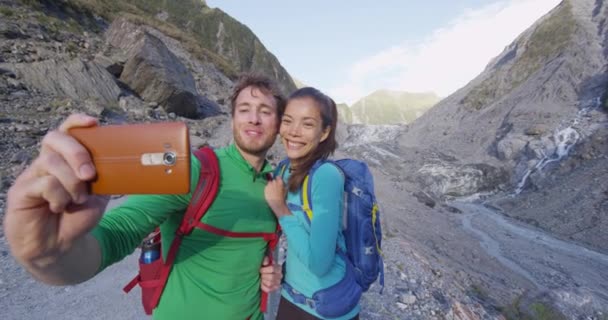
293,165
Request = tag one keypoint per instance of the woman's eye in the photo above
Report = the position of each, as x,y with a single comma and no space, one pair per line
308,125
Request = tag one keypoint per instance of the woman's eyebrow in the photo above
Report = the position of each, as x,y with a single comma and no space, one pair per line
311,118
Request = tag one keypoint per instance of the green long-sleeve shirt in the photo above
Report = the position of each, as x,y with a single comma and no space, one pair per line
213,277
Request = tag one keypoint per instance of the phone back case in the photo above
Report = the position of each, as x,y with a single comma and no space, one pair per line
139,158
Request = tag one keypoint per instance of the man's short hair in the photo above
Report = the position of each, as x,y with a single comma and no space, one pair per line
264,84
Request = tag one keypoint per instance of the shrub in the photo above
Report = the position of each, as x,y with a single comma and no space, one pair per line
6,11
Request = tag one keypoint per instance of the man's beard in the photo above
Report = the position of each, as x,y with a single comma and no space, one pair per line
257,150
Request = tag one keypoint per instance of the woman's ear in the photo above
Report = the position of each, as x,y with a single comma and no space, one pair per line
325,133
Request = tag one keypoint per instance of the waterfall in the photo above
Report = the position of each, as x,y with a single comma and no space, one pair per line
565,138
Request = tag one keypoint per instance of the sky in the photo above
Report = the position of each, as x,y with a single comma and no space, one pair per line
349,49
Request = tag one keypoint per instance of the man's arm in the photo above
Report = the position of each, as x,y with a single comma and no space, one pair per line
51,221
78,264
49,211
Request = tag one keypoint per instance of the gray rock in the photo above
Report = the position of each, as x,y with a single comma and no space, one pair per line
197,142
132,104
446,179
20,157
425,198
153,71
208,108
511,146
408,299
76,79
114,67
537,130
8,73
401,306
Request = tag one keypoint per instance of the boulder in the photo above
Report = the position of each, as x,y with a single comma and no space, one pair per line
511,146
424,198
208,107
149,68
114,67
76,79
537,130
156,74
442,180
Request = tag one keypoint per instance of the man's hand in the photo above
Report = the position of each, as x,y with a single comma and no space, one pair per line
271,276
49,208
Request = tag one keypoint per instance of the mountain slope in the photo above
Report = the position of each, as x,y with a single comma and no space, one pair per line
392,107
344,113
526,92
534,113
226,42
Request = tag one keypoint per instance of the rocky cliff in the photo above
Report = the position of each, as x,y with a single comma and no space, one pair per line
509,130
528,136
526,139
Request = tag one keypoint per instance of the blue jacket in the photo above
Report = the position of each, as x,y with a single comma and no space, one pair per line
312,263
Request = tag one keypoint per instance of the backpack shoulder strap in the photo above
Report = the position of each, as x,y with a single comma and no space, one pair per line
306,195
279,171
202,198
206,189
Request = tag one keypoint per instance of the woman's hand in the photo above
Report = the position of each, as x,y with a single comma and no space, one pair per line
275,193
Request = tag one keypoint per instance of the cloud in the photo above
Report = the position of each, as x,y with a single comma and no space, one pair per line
447,59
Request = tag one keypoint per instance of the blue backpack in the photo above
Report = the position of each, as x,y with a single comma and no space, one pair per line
361,228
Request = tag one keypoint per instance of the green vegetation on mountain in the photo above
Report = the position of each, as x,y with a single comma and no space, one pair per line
210,34
344,113
548,39
392,107
221,34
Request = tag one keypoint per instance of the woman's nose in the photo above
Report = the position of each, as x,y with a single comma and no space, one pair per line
294,130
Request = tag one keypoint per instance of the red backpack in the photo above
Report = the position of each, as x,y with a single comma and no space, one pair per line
152,277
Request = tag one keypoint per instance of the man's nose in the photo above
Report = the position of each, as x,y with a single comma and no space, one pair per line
254,118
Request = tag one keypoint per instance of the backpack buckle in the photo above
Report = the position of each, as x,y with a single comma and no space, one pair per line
311,303
358,192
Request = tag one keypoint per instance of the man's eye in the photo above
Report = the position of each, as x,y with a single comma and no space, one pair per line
309,125
286,120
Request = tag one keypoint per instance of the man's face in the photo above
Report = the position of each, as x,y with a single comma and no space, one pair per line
255,121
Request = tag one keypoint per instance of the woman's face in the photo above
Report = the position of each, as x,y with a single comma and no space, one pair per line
302,128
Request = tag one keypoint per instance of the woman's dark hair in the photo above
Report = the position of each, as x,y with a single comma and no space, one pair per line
329,117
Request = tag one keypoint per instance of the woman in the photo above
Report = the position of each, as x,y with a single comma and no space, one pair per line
315,270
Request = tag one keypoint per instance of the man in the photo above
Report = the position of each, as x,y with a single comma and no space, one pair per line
59,233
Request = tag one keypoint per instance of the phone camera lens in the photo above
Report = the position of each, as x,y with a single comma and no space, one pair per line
169,158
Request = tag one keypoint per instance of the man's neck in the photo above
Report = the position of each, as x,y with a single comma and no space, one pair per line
256,161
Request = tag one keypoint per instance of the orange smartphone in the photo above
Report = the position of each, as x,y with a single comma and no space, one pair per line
149,158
